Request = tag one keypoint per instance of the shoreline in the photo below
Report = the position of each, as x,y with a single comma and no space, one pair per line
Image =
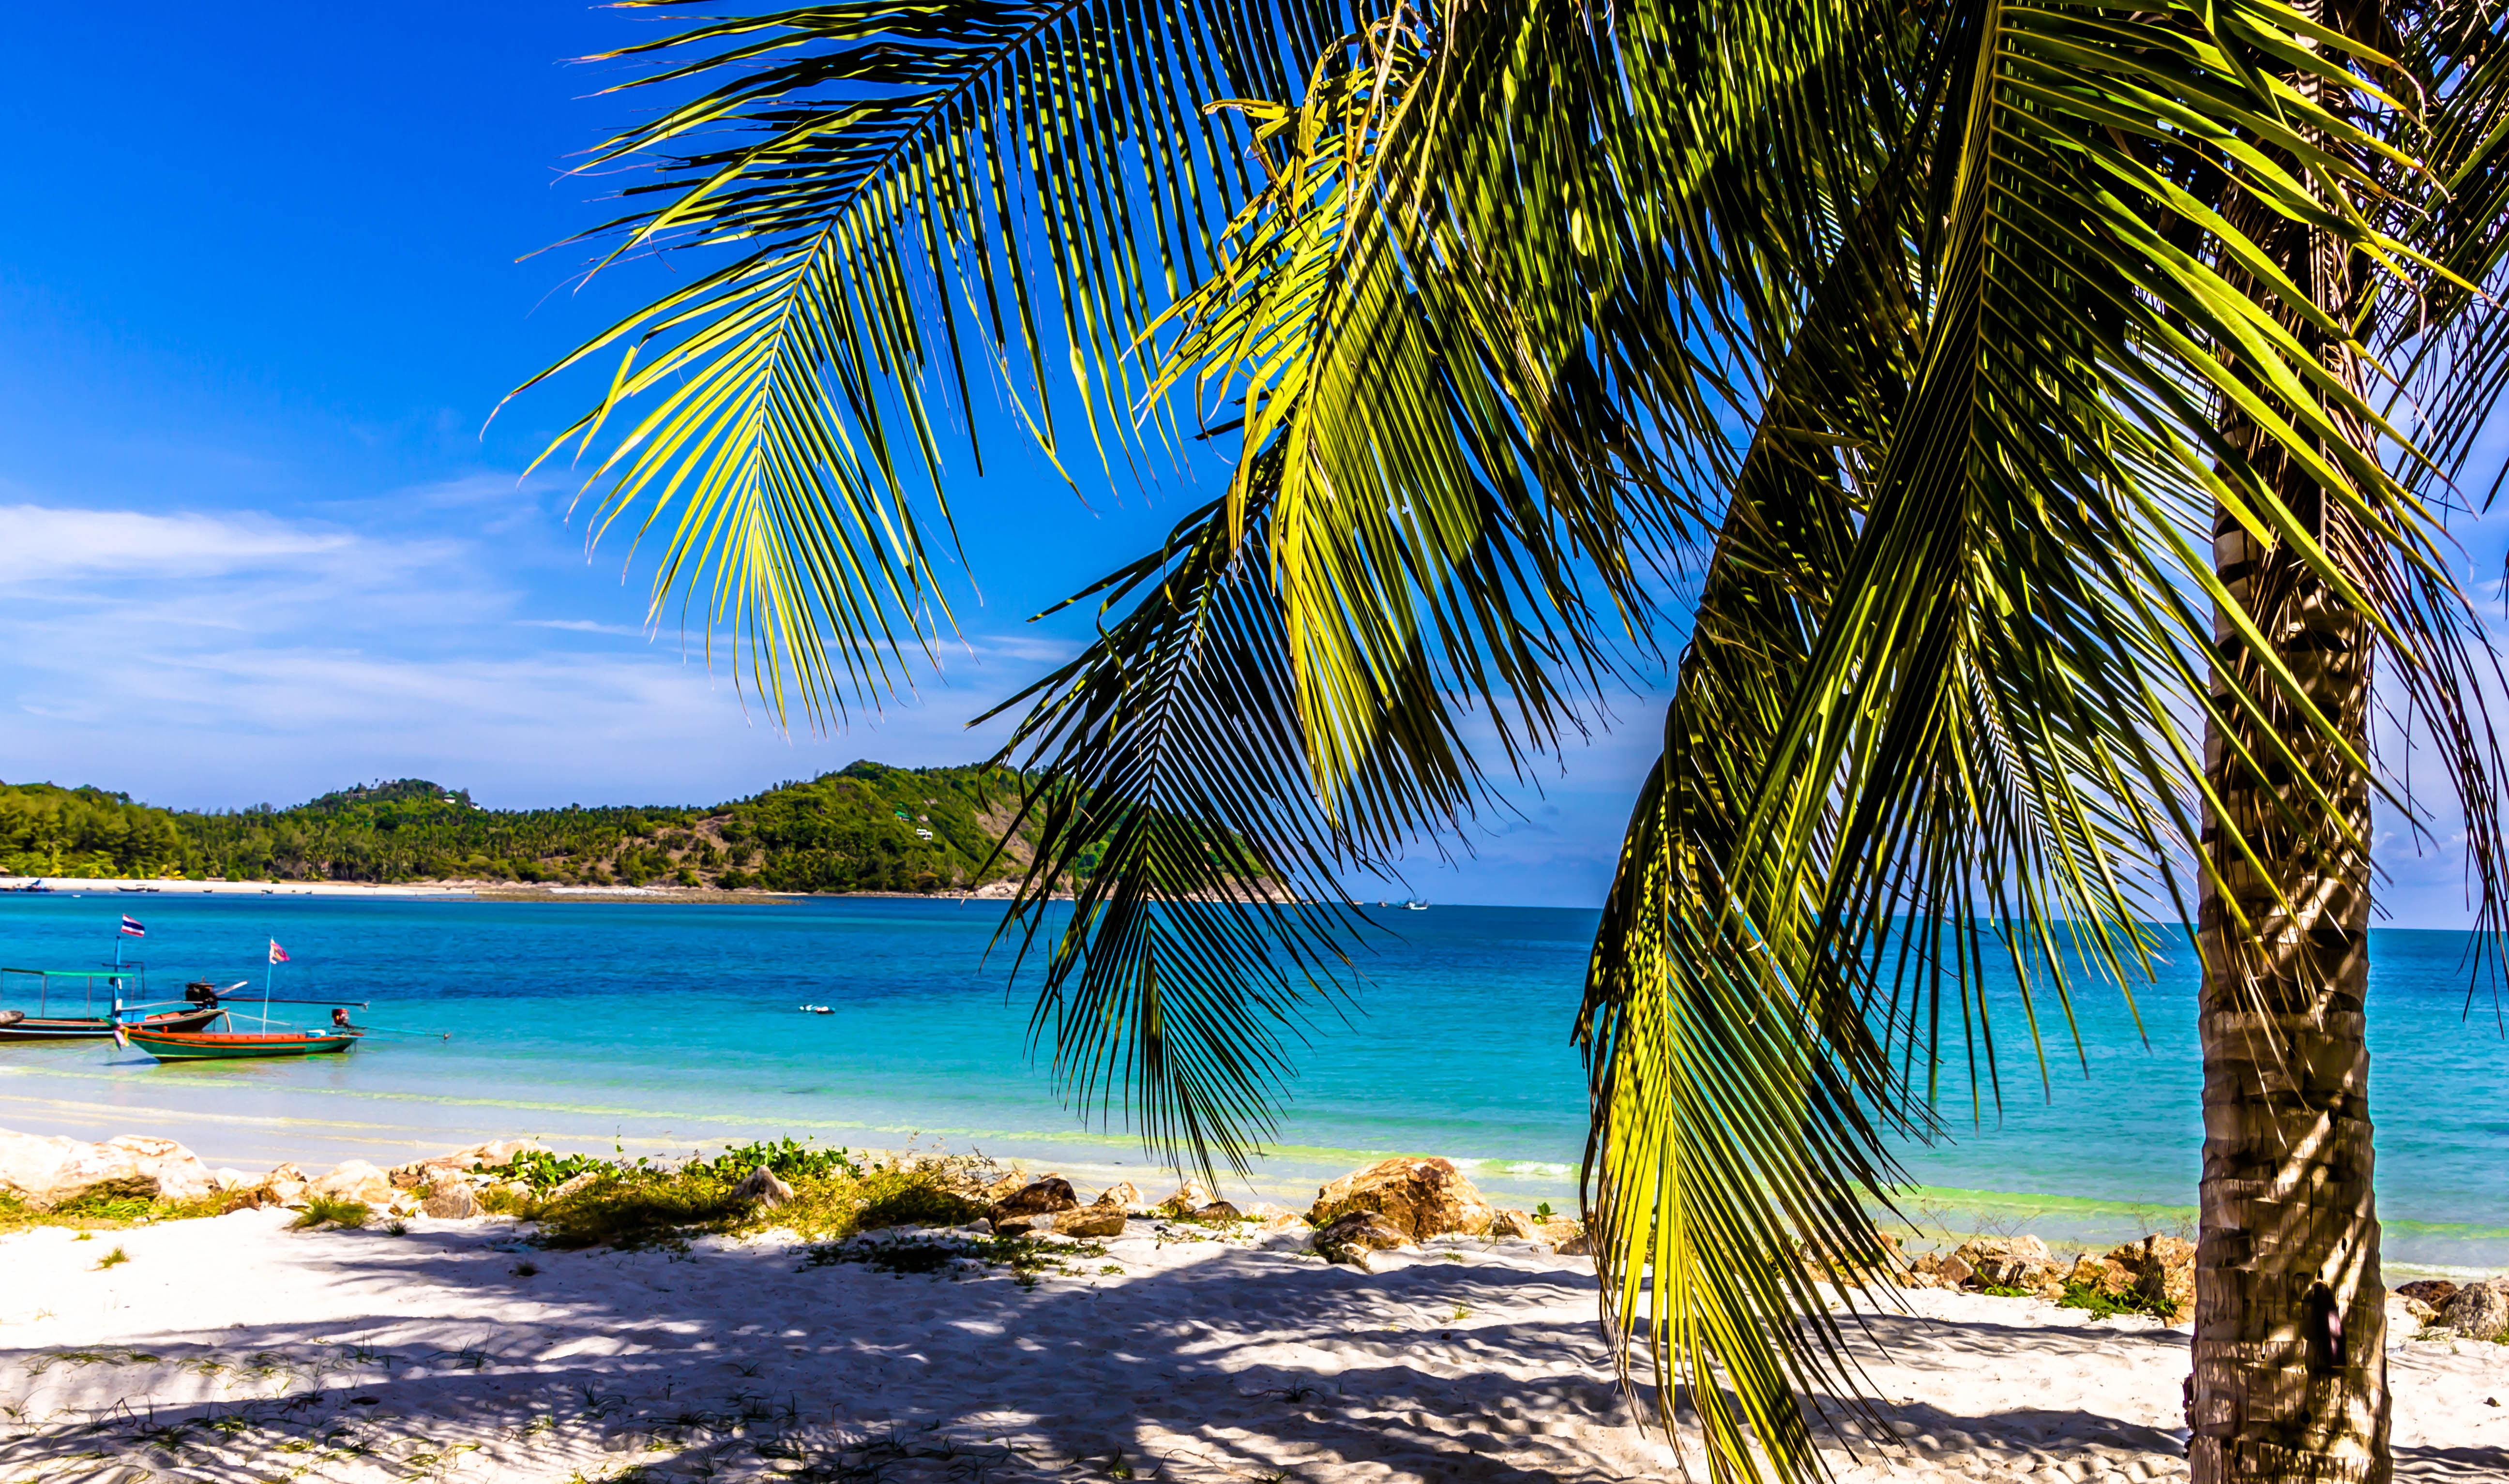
463,889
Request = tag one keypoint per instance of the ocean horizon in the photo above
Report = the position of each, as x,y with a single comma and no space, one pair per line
663,1028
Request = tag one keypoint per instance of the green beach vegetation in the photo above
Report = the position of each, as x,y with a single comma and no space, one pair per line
867,827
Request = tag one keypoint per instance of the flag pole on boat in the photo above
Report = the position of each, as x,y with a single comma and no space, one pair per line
131,928
278,957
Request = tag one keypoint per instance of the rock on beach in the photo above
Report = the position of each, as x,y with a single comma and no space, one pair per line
1423,1198
2478,1310
48,1173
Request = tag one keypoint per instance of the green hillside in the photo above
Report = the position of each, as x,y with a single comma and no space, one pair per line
867,827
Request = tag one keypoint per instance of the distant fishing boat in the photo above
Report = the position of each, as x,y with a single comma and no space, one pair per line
233,1045
1415,906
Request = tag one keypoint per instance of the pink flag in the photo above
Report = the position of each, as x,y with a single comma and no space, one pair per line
278,954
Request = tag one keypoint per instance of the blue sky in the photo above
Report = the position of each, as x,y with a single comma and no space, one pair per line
271,273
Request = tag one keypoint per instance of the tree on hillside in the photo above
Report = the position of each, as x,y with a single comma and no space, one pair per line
2106,372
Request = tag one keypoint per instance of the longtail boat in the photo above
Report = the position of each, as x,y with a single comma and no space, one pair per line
95,1028
41,1024
229,1045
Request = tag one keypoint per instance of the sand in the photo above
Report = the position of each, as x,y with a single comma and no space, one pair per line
233,1349
142,888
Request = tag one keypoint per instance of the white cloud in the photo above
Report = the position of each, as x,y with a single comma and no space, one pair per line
49,543
219,661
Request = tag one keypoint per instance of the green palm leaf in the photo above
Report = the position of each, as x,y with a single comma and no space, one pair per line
908,195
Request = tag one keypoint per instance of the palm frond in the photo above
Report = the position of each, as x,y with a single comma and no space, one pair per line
910,197
1452,489
1957,734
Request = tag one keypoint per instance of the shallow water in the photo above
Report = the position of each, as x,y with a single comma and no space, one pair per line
660,1027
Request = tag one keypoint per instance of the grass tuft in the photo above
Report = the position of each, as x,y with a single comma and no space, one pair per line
113,1260
327,1210
104,1211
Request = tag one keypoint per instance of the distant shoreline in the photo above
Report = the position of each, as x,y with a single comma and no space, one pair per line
464,890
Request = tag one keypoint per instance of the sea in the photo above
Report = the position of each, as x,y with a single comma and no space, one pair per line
661,1029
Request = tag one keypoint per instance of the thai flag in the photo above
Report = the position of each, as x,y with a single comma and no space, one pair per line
278,954
130,925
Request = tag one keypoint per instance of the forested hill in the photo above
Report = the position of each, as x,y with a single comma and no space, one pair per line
867,827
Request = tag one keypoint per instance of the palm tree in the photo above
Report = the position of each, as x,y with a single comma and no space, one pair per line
2013,304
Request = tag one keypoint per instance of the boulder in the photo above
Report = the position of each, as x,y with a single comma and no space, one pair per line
1352,1238
1037,1198
2478,1310
2100,1275
451,1199
354,1181
572,1183
495,1154
1100,1220
231,1180
763,1188
2163,1269
1423,1198
1123,1195
285,1185
2433,1291
1568,1238
1954,1272
1219,1210
1277,1218
2407,1313
1190,1196
2008,1262
47,1173
1514,1225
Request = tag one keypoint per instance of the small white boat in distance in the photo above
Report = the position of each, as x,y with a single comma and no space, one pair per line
1415,906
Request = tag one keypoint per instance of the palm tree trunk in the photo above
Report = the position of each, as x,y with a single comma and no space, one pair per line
2290,1374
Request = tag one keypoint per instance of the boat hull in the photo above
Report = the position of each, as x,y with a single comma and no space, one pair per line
95,1028
231,1046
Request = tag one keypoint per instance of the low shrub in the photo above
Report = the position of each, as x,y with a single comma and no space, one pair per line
540,1170
2103,1304
834,1195
634,1209
790,1161
498,1201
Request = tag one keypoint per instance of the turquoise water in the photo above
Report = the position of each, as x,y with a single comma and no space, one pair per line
666,1027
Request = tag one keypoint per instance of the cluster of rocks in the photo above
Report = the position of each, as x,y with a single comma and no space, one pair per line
2158,1270
2161,1271
2476,1311
1393,1204
47,1174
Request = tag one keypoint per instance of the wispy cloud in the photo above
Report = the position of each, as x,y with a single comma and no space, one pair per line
227,658
49,543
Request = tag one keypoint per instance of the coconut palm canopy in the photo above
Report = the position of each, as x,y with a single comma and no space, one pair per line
1912,358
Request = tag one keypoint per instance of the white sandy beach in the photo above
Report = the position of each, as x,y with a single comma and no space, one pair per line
235,1349
142,887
